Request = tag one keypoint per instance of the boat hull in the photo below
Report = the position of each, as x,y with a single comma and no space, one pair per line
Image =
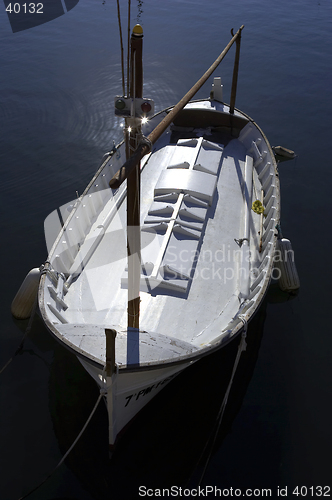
199,309
127,393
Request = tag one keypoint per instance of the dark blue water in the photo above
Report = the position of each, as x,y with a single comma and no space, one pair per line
57,86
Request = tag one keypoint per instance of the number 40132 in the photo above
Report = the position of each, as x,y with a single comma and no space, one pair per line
30,8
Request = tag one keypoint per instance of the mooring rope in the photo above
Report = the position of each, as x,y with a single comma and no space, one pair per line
103,392
27,331
69,450
213,436
44,268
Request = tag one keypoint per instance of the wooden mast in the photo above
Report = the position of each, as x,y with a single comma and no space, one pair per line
144,148
235,73
133,126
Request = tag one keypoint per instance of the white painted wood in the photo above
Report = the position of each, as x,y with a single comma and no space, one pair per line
244,273
22,305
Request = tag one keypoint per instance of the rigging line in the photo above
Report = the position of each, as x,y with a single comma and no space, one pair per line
121,44
128,42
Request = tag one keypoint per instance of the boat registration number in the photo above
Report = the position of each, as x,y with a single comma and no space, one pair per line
143,392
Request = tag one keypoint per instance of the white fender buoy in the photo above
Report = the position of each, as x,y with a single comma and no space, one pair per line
24,300
287,154
284,262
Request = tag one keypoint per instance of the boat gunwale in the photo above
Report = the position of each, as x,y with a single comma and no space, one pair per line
148,366
224,337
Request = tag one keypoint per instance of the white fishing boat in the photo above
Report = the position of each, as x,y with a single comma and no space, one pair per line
209,205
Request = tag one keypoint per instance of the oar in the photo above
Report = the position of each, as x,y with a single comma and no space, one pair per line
245,247
261,224
145,146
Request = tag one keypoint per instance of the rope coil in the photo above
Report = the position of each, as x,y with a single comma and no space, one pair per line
146,142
